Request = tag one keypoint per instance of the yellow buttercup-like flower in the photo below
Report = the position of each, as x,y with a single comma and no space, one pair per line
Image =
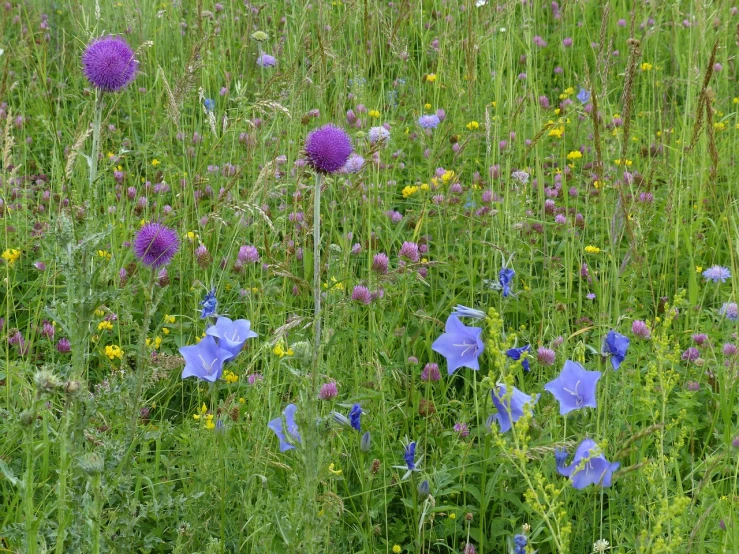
113,352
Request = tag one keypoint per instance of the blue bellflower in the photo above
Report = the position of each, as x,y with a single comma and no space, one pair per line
583,96
204,360
505,278
291,428
209,304
586,468
516,354
355,416
464,311
574,388
616,345
209,104
231,335
510,410
410,456
460,345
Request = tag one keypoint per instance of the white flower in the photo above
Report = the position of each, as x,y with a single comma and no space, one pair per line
378,134
600,546
481,3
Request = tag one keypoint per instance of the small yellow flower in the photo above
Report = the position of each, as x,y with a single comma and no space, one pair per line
427,106
155,344
169,318
472,126
113,352
598,185
191,236
557,132
374,114
279,351
99,312
447,176
230,377
334,471
452,516
105,326
241,400
592,249
409,191
736,100
494,104
719,126
424,187
104,254
431,77
209,425
155,162
646,66
698,269
397,549
574,155
569,90
165,330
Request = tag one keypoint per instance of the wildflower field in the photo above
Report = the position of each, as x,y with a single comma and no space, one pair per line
409,276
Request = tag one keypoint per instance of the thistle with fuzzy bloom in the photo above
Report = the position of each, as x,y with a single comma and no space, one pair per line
328,148
109,64
155,245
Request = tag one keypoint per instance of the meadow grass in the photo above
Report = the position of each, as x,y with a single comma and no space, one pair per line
590,147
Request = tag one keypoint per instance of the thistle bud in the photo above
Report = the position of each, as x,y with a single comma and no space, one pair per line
45,381
71,387
27,417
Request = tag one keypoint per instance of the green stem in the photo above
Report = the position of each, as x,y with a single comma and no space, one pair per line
31,524
97,511
316,282
97,123
62,512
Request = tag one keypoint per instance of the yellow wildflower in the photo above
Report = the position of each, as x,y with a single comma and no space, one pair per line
698,269
155,162
168,318
105,326
427,106
452,516
165,330
557,132
719,126
397,549
646,66
592,249
191,236
334,471
155,344
278,350
230,376
473,126
374,113
104,254
409,191
574,155
431,77
424,186
447,176
11,255
113,351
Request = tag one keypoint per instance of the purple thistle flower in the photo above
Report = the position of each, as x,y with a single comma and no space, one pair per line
510,410
616,345
265,60
109,64
328,148
545,356
361,294
355,417
231,335
155,245
286,440
328,391
717,274
574,388
640,329
430,372
586,468
459,344
518,353
204,360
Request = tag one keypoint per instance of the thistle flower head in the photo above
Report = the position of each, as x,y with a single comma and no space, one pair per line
155,245
109,64
328,148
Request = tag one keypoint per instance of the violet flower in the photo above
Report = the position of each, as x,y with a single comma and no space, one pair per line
574,388
459,344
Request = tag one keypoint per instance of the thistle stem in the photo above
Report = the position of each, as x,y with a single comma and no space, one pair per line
97,123
316,282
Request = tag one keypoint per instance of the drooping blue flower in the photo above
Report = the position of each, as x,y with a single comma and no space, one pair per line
616,345
583,96
464,311
291,428
459,344
410,456
587,468
517,353
365,443
519,544
204,360
355,416
231,335
505,278
574,388
209,304
209,104
510,410
717,274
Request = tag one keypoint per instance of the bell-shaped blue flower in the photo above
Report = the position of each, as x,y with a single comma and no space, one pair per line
583,96
460,345
231,335
615,345
410,456
587,468
510,410
574,388
505,278
209,304
204,360
355,416
288,434
517,353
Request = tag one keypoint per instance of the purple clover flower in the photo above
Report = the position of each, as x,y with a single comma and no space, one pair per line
328,148
574,388
459,344
586,468
155,245
292,436
510,410
109,63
